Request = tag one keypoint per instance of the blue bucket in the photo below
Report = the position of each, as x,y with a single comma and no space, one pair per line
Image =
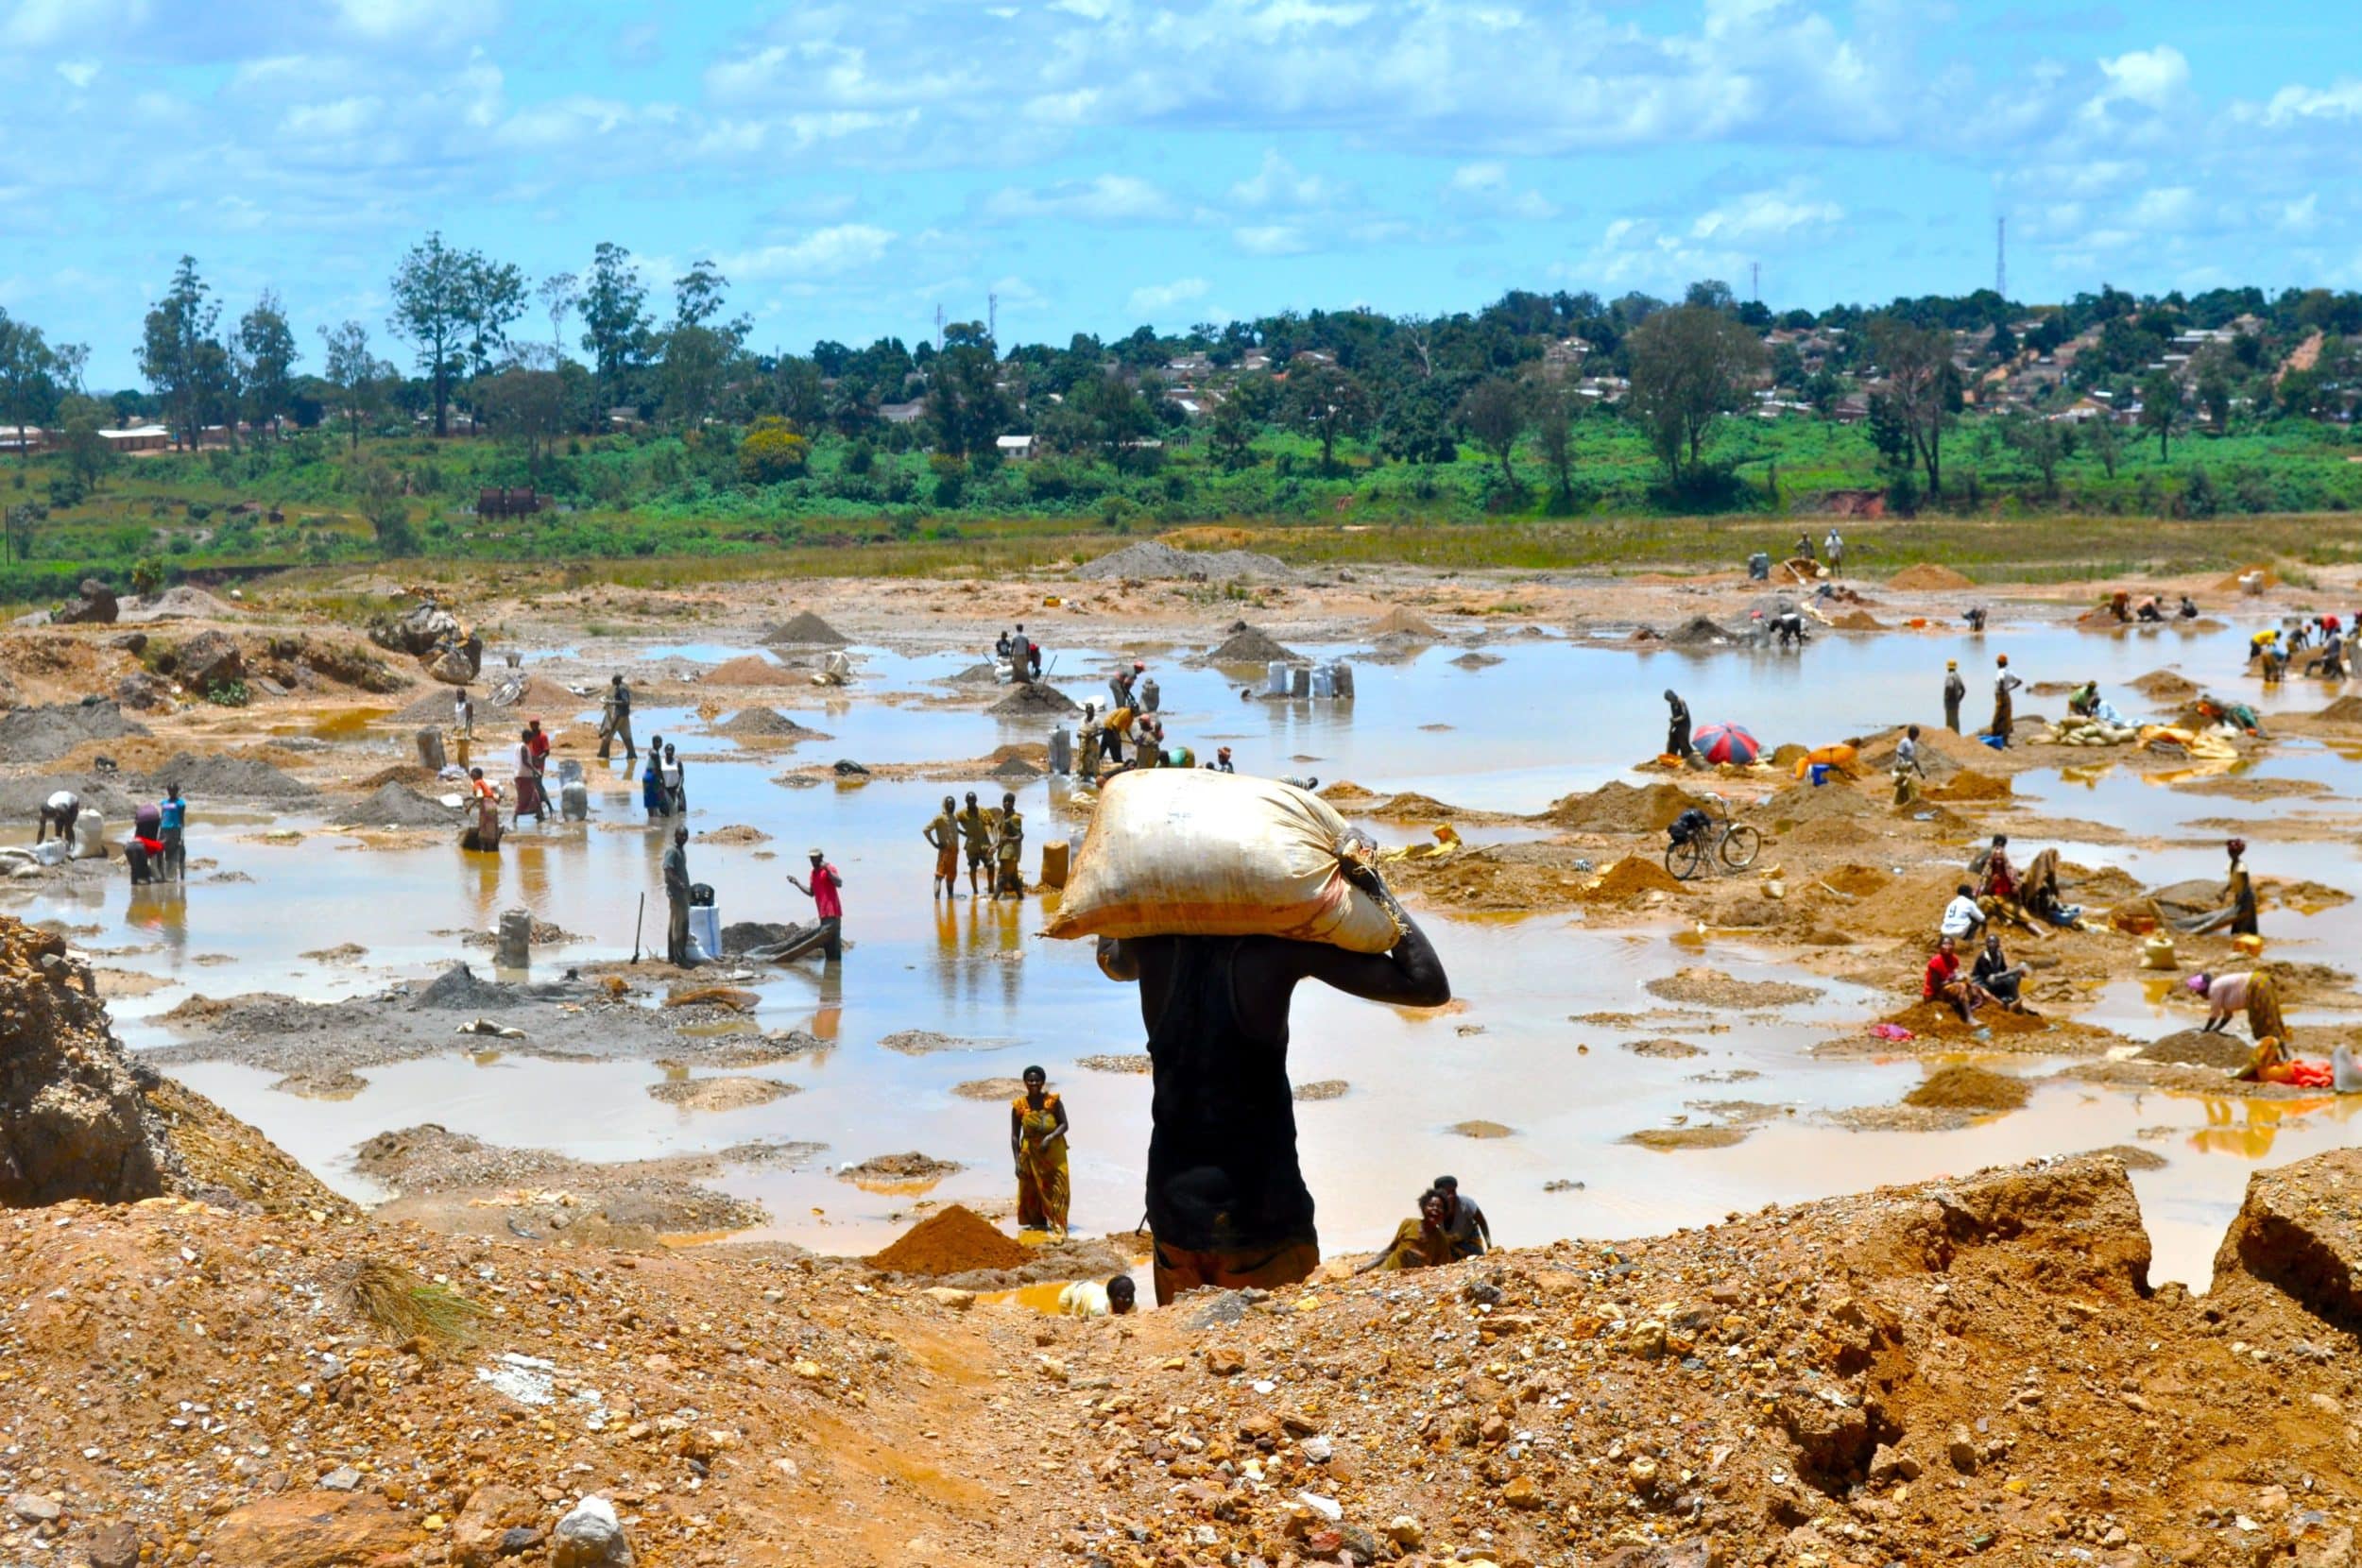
1997,743
1818,772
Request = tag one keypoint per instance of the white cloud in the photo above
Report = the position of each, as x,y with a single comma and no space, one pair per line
411,21
2150,77
81,73
1762,216
1104,198
2295,105
1153,301
823,253
2301,217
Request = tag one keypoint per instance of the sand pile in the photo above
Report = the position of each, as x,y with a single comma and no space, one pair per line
1968,784
984,673
1616,806
1036,698
955,1241
1803,803
1927,577
1858,621
399,805
2195,1047
2163,686
806,630
1411,806
1152,559
2345,710
1251,645
764,723
46,734
910,1166
401,773
1635,877
458,990
2231,583
1968,1089
1402,622
1936,1019
747,669
1859,880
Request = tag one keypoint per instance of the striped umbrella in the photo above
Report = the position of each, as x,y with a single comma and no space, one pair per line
1727,743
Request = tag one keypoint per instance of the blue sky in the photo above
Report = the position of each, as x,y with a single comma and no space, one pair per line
1098,163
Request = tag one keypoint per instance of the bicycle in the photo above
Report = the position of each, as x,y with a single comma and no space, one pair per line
1692,853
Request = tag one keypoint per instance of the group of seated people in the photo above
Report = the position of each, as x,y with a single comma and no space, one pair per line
2000,893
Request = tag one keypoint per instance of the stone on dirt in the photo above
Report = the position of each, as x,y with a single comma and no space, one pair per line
591,1537
95,607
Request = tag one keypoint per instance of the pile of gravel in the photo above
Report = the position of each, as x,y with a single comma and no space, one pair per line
46,734
1152,559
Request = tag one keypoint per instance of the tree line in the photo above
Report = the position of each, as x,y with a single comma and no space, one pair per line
1519,372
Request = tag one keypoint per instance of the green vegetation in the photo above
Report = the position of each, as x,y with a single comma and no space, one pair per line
1541,427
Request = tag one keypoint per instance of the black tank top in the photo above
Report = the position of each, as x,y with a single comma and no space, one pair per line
1222,1158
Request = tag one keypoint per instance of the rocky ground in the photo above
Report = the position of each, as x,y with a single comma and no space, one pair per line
1970,1367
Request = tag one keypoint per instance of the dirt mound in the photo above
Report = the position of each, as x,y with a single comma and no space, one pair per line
231,779
1663,1049
748,669
458,990
1700,987
1411,806
806,630
1616,806
1857,880
2231,583
72,1122
2163,686
1635,877
46,734
1927,577
1698,631
1804,803
2195,1047
1858,621
529,696
926,1042
2345,710
986,674
401,773
1347,795
1151,559
1251,645
1034,698
910,1166
1936,1020
736,833
1968,784
719,1094
179,603
766,724
1402,622
399,805
956,1241
1963,1088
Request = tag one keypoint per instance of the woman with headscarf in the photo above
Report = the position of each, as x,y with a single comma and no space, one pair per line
2255,990
1038,1130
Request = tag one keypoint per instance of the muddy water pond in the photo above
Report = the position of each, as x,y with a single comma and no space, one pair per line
1556,714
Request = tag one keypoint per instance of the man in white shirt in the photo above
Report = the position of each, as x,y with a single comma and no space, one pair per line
1961,917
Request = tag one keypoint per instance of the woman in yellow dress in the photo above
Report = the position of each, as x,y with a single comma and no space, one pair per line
1421,1243
1038,1130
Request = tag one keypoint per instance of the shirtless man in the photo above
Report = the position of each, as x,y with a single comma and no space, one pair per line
1227,1198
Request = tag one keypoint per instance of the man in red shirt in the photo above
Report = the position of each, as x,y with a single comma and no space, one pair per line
1942,982
827,903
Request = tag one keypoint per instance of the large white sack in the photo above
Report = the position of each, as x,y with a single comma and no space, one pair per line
1188,852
